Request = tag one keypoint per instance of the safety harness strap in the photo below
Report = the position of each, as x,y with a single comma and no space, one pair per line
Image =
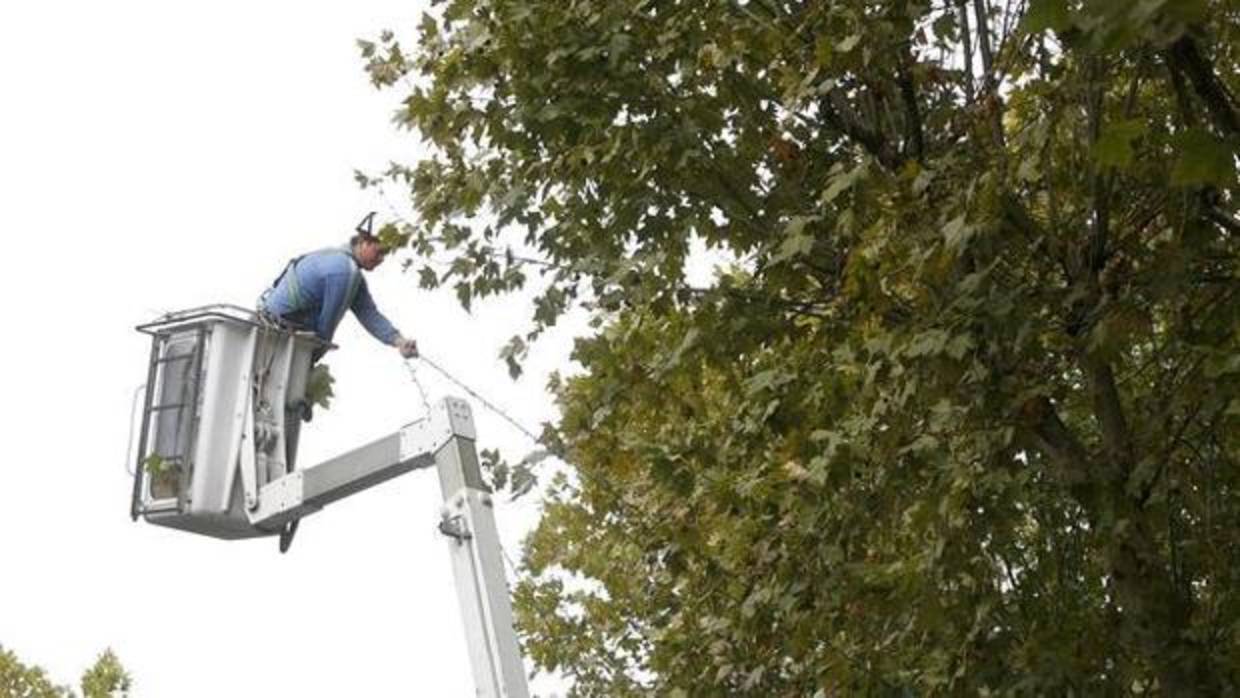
296,300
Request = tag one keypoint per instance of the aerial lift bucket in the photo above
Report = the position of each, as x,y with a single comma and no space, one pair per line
224,393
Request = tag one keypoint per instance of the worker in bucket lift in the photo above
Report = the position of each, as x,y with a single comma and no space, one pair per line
314,291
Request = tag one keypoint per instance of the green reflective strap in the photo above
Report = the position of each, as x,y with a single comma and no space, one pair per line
297,301
294,287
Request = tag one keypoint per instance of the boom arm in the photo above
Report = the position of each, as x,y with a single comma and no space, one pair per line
415,446
445,440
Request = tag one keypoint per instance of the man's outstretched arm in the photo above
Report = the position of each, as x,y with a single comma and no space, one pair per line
378,325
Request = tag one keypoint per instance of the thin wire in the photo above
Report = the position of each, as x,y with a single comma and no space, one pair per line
512,567
473,393
495,254
392,207
413,374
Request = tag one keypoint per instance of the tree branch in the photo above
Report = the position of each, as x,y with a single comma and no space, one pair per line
983,38
966,43
912,113
1109,411
1051,437
1185,55
840,116
1095,254
1181,94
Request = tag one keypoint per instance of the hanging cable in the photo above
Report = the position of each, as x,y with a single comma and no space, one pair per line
512,567
413,374
473,393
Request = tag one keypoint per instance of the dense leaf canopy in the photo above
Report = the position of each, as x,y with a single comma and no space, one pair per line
962,414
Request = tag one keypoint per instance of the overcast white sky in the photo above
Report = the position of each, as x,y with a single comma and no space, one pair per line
156,156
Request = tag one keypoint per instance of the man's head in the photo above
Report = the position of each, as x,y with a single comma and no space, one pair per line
367,250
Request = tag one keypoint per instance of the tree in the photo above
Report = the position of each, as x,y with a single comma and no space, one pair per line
106,678
963,416
17,679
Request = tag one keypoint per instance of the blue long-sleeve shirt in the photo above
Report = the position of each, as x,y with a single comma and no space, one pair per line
318,289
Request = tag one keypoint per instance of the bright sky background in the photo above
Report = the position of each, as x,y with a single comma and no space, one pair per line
156,156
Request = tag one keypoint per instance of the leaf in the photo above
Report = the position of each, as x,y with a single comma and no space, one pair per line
766,380
496,467
513,353
523,480
164,476
848,43
796,241
796,471
427,278
1203,159
1222,365
319,386
927,343
843,181
1046,14
957,233
464,294
923,443
959,346
391,237
1114,146
155,464
1187,12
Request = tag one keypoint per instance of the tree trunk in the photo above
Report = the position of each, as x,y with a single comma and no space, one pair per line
1155,615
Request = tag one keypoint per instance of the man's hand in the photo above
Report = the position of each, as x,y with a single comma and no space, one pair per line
408,347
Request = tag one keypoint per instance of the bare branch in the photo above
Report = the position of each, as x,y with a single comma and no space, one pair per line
981,11
966,43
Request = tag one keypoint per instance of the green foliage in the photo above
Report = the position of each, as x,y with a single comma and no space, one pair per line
156,465
1204,160
962,416
1047,14
165,476
319,386
20,681
1114,147
520,478
392,237
106,678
